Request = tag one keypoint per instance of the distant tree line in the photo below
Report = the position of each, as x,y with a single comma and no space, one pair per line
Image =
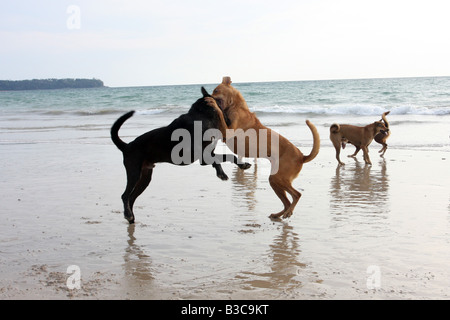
40,84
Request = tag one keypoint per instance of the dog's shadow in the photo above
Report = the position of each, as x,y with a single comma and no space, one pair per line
359,188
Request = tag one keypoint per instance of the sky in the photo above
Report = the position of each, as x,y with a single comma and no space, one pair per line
143,43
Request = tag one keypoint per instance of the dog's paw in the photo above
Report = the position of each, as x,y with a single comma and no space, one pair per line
222,176
275,217
288,214
130,218
244,166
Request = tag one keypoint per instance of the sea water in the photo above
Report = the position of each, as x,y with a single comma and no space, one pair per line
86,115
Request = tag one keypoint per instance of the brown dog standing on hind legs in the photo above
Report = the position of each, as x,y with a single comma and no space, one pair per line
382,137
360,137
286,160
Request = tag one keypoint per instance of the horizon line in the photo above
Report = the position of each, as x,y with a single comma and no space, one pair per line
237,82
274,81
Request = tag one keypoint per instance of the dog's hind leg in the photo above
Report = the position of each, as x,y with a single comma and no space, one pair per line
295,198
356,152
133,169
142,184
337,146
383,150
281,193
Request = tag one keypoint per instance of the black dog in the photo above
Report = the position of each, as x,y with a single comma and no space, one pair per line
140,155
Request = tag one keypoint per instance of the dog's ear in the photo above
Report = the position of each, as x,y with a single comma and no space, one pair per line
205,93
226,80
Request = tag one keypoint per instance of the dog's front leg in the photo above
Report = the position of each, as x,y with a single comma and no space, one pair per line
219,171
218,159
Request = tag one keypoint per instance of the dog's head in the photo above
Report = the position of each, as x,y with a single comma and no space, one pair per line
380,127
227,96
209,101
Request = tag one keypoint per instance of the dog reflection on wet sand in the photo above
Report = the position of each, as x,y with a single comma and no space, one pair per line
359,191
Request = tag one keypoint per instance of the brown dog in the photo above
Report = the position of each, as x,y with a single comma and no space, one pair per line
382,137
286,160
360,137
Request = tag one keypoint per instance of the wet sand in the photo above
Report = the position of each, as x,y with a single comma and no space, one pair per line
358,232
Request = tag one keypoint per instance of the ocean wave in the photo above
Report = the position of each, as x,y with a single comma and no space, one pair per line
352,110
100,112
85,112
438,111
55,127
151,111
96,112
111,111
318,110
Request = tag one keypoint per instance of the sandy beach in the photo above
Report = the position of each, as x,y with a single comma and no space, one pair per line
358,232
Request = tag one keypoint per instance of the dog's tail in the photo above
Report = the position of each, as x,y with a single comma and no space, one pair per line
316,143
115,131
335,128
383,117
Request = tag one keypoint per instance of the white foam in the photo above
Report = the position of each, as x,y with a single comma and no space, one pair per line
150,112
362,110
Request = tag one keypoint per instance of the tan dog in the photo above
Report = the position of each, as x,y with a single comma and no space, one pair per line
286,160
382,137
360,137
